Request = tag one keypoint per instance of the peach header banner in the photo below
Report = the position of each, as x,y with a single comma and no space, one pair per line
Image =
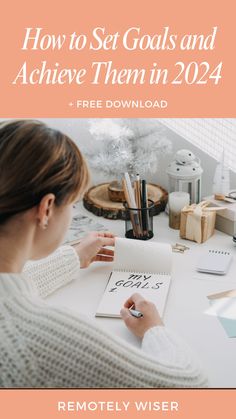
54,404
117,59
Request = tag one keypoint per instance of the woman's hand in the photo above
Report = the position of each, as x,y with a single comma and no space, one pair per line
93,248
151,317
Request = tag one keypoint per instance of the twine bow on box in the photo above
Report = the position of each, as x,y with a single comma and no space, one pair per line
194,215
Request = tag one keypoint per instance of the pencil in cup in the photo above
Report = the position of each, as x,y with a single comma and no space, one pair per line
137,190
133,215
142,212
144,204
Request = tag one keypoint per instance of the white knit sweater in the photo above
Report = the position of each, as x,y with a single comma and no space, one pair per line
41,346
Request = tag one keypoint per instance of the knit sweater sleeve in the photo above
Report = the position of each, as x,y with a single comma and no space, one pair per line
165,346
54,271
64,350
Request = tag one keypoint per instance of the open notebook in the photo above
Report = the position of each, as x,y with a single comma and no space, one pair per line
143,267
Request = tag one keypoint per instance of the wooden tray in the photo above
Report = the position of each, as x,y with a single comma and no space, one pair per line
97,201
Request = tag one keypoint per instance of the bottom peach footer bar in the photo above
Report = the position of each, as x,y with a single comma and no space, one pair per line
186,404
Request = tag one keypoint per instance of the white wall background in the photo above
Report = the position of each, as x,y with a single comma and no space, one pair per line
78,130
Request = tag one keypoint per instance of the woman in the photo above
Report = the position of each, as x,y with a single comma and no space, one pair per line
42,174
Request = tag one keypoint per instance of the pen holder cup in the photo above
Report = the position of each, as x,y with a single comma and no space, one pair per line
139,222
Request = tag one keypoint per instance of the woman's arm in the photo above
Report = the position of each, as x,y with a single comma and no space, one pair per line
51,273
72,352
61,267
167,348
57,348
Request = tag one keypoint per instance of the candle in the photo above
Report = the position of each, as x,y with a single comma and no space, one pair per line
177,201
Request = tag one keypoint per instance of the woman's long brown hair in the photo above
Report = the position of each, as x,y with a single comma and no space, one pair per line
36,160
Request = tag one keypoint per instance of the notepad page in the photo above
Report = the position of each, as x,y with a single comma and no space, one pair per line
215,262
122,285
142,256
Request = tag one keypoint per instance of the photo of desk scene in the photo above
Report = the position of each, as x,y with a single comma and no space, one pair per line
117,253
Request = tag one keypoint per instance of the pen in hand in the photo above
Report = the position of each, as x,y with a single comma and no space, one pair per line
135,313
139,326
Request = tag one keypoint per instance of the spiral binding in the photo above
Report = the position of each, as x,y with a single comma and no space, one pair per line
218,252
141,273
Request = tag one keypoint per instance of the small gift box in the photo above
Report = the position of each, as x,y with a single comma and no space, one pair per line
197,222
226,219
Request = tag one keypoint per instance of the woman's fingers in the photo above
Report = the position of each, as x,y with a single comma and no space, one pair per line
103,258
93,247
125,314
104,238
105,251
150,318
108,234
133,300
107,241
104,255
105,234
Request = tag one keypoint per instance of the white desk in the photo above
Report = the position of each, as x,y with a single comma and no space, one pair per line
186,301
